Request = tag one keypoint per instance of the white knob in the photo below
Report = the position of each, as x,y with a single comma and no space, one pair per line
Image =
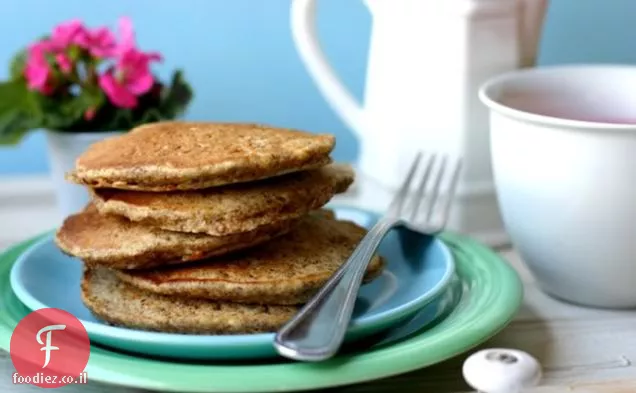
500,370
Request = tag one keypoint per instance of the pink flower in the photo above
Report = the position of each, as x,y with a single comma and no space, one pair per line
116,91
66,34
99,42
135,69
37,71
64,62
131,77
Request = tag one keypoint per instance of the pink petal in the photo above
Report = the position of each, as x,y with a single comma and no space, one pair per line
134,66
140,84
99,42
83,39
36,70
126,34
103,52
69,27
39,48
130,60
36,75
103,37
133,62
116,92
67,33
65,63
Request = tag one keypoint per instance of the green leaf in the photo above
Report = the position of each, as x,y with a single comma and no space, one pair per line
176,97
74,53
64,112
56,113
22,110
19,112
120,119
14,125
89,98
16,67
150,116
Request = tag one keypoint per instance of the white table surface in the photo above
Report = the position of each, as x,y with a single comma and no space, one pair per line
581,350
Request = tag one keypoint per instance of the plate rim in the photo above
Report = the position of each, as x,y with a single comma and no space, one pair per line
157,338
407,355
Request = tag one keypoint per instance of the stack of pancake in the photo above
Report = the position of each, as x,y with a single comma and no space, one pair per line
208,228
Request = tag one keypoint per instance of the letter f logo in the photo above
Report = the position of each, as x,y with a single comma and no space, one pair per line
48,347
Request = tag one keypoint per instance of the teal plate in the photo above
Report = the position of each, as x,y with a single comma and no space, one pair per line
418,268
482,297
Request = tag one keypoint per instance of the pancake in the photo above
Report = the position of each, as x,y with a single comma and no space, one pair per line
230,209
115,242
123,305
287,270
172,155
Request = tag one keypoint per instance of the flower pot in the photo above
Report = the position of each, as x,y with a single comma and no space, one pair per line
63,150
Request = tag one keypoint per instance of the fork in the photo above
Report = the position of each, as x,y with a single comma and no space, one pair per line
317,331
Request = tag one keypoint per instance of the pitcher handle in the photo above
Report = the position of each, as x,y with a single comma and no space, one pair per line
304,34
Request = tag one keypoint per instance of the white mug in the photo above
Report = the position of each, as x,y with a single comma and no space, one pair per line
563,143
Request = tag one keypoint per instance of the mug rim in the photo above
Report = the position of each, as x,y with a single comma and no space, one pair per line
485,95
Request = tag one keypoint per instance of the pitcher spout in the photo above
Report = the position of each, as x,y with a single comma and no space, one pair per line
531,21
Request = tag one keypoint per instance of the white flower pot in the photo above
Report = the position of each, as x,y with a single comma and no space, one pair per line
63,149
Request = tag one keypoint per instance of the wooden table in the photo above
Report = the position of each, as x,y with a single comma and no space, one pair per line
582,350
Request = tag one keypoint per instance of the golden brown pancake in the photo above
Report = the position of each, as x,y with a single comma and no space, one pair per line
285,271
115,242
120,304
174,155
230,209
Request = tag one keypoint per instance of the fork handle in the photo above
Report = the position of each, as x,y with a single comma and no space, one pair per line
316,332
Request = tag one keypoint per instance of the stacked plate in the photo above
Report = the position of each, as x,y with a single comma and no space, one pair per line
434,301
180,194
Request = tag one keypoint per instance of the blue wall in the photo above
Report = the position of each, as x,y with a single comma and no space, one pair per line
240,57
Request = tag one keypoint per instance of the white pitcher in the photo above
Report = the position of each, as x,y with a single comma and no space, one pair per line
427,59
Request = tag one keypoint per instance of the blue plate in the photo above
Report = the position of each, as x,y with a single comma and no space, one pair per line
418,269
